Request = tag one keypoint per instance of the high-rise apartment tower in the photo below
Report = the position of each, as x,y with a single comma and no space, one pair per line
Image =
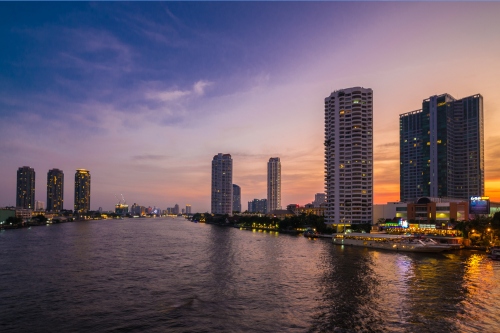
222,184
25,194
55,190
273,184
236,198
441,149
349,156
82,191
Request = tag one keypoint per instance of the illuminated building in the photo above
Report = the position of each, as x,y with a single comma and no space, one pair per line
258,206
55,190
273,184
188,209
349,156
425,213
222,184
236,198
25,195
442,150
82,191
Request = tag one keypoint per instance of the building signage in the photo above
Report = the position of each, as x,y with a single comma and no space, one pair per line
479,205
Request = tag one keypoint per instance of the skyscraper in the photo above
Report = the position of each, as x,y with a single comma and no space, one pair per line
349,156
441,149
273,184
222,184
55,190
82,191
188,209
25,194
236,198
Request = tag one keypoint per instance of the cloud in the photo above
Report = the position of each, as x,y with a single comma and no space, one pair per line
175,94
199,87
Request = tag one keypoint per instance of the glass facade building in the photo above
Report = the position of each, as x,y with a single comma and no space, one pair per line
236,198
441,149
82,191
25,192
55,190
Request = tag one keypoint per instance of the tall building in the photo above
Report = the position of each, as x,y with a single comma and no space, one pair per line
55,190
25,194
222,184
258,206
236,198
188,209
349,156
441,149
82,191
273,184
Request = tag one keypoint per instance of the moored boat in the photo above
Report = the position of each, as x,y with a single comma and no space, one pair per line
401,243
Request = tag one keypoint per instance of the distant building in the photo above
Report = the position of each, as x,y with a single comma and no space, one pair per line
319,199
25,195
236,198
257,206
222,184
273,184
442,149
39,205
188,209
55,190
121,209
82,191
349,156
176,209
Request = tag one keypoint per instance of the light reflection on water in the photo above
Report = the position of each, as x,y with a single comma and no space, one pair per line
172,275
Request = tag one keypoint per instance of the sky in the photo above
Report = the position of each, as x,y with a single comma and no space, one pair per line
145,94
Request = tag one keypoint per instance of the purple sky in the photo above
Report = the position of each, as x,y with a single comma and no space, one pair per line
145,94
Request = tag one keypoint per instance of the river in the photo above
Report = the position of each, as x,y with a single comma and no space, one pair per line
172,275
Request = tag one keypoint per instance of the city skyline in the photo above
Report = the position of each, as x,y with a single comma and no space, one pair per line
144,94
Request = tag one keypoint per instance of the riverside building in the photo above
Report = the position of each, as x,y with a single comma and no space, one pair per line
222,184
442,150
55,190
82,191
273,184
236,198
349,157
25,194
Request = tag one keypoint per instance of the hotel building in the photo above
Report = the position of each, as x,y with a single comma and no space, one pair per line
273,184
222,184
349,156
441,149
55,190
25,194
82,191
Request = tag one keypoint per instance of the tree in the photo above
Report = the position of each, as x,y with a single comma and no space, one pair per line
14,220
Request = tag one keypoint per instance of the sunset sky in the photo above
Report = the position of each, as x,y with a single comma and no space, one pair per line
145,94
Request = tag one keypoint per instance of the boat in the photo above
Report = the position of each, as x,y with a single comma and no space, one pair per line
310,233
495,253
401,243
